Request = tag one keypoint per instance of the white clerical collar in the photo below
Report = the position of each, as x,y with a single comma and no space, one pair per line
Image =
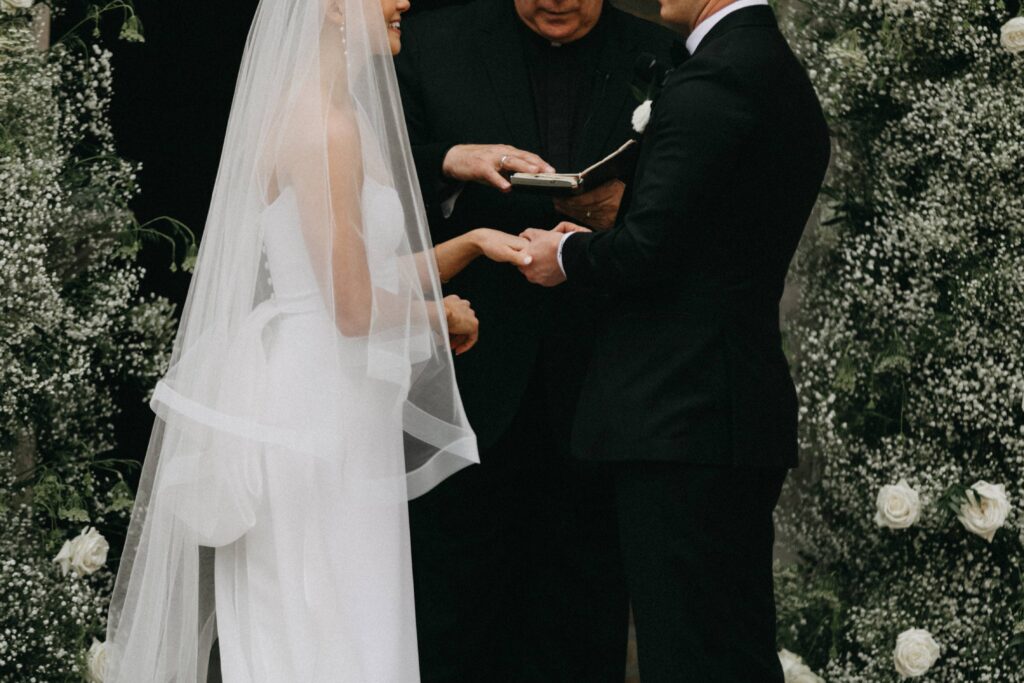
704,27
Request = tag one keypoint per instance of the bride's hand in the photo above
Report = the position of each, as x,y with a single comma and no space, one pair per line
463,327
501,247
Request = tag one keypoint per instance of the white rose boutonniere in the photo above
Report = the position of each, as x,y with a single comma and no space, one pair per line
96,662
898,506
985,510
12,6
1012,35
916,652
795,670
84,554
642,116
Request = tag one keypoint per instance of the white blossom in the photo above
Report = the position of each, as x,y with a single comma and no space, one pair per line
916,652
642,116
84,554
1012,35
15,5
985,510
96,660
898,506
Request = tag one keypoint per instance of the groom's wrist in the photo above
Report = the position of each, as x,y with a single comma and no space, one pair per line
561,246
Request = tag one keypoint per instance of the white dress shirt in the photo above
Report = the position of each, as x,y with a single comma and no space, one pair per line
703,28
692,42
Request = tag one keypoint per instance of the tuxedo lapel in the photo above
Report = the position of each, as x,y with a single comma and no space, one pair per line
610,93
500,44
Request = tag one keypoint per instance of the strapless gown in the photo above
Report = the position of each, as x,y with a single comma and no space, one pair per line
318,586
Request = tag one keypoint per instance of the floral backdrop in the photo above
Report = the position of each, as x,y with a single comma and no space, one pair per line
908,348
910,341
75,335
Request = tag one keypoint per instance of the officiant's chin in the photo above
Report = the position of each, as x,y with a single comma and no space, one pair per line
560,21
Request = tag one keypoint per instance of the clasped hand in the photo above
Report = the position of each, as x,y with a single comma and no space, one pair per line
534,252
542,253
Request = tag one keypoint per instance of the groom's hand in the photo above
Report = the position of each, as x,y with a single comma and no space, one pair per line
596,208
491,164
543,250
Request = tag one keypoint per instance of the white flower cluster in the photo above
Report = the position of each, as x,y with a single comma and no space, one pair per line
75,339
910,348
983,511
43,617
84,555
13,6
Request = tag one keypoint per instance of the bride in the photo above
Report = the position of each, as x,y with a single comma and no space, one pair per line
311,389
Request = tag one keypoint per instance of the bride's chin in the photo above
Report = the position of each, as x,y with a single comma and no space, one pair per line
395,42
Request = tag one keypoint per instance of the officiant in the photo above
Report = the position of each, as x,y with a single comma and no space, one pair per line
515,561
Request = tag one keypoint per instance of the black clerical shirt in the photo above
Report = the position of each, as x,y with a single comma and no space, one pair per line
562,81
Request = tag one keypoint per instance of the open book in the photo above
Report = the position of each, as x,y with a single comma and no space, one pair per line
618,164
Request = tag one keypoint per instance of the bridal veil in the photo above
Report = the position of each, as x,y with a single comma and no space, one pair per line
312,347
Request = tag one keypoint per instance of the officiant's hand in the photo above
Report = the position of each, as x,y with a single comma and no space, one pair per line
596,208
543,250
491,164
463,327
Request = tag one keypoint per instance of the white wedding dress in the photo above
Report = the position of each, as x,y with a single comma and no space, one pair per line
311,389
308,592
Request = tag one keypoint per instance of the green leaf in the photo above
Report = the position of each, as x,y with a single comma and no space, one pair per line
122,498
73,514
191,254
895,364
846,375
131,30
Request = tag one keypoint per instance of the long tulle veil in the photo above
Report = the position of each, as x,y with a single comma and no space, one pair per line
316,119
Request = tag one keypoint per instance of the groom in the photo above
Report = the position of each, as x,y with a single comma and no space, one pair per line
689,397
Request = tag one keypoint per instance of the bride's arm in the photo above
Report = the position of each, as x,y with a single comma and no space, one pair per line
328,185
350,271
456,254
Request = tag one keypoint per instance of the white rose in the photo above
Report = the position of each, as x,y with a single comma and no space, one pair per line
916,652
1012,35
83,554
899,506
11,6
795,670
96,662
642,116
985,510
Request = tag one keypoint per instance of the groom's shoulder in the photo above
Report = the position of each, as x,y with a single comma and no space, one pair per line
640,27
645,34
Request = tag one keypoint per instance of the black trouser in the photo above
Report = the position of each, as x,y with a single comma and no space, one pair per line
516,567
697,546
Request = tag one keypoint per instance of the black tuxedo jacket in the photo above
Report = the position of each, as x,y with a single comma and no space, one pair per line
463,79
688,363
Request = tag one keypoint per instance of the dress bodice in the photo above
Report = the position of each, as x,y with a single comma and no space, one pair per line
288,259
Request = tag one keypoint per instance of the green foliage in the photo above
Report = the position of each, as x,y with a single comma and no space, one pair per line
909,340
76,337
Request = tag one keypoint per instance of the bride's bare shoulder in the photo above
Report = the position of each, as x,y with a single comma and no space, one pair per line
314,132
